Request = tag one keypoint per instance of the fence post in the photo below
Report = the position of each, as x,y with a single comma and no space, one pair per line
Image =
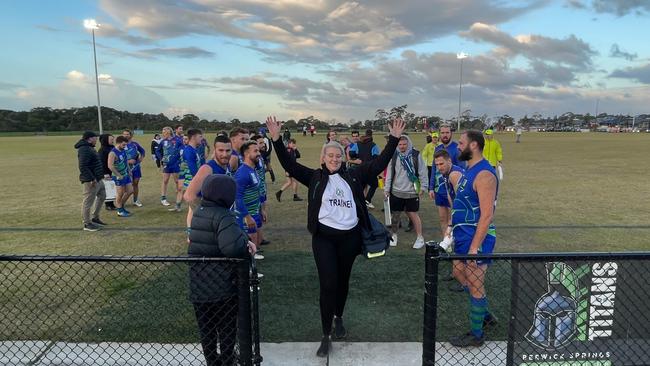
244,334
431,261
254,287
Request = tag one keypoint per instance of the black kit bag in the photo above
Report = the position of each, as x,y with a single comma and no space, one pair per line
376,240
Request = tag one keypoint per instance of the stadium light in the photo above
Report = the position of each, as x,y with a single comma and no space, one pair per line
93,25
461,56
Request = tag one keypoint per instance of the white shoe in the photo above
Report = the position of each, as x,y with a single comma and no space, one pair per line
258,256
165,203
393,240
419,243
370,205
138,203
446,243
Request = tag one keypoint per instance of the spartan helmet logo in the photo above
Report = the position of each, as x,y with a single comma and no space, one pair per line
554,325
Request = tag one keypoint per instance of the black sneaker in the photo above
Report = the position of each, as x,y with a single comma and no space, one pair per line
278,195
97,221
339,329
296,198
467,340
110,207
324,348
265,242
490,321
91,227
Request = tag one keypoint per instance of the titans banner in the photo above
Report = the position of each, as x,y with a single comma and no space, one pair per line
580,313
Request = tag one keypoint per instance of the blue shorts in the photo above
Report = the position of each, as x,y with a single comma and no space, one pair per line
171,169
461,247
136,172
258,222
122,182
442,200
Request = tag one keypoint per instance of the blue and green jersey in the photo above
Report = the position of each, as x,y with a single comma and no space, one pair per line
120,162
247,200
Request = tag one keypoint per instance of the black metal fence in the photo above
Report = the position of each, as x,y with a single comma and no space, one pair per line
128,311
557,309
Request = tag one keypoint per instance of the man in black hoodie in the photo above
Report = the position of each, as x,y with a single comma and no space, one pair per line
91,174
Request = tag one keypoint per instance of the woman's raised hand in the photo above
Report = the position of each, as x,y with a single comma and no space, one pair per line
274,127
397,127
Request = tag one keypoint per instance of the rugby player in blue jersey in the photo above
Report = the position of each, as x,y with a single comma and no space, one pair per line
437,190
168,150
191,162
238,136
261,173
219,164
474,232
135,154
118,164
247,200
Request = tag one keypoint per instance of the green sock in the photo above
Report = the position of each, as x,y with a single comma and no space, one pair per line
478,309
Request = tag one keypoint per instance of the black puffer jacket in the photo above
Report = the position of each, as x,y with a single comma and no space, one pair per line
215,233
90,167
316,180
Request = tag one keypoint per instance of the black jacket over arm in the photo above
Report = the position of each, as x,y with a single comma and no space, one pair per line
316,180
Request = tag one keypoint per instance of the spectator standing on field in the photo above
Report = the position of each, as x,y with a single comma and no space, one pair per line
492,151
367,151
91,174
406,180
294,154
518,133
155,154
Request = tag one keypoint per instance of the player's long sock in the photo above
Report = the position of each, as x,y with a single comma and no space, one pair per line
162,198
478,309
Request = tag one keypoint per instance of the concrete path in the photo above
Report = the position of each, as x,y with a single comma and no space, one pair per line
274,354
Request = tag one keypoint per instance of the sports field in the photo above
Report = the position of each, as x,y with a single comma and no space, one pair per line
561,192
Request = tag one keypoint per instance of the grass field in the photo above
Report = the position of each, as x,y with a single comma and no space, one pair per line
561,192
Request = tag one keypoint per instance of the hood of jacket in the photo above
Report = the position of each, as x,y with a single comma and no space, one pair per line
220,189
409,148
81,143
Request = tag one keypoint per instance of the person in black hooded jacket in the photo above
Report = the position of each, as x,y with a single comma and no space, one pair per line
90,176
336,211
106,144
214,232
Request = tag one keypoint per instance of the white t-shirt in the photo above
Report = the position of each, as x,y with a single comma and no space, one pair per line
337,209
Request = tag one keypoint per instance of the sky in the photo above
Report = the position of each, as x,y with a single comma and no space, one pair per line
331,59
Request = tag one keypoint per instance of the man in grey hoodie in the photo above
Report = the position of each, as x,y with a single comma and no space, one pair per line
406,180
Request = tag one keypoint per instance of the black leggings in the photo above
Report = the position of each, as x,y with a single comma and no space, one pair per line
373,184
218,326
334,252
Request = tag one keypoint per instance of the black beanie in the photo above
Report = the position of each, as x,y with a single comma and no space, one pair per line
219,189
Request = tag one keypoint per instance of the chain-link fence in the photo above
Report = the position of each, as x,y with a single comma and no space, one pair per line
128,311
570,309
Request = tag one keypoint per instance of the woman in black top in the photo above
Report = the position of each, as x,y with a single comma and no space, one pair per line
335,213
154,149
106,144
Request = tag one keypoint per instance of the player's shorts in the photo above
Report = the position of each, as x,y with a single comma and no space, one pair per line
171,169
136,172
461,246
404,204
258,222
442,200
122,182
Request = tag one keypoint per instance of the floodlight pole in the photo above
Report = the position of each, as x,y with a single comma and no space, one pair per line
99,106
460,56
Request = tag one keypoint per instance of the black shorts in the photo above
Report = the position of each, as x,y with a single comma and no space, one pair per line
404,204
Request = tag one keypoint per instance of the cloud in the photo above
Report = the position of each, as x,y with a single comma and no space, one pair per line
9,86
617,7
569,51
158,52
638,73
615,51
78,89
48,28
312,31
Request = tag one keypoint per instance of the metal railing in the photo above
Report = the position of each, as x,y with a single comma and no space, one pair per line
128,310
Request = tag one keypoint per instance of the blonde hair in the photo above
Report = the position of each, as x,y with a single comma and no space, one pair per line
168,130
332,144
